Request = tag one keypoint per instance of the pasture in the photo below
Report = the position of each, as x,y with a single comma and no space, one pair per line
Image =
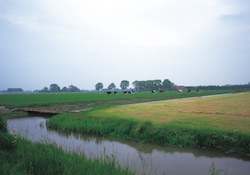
49,99
229,112
216,122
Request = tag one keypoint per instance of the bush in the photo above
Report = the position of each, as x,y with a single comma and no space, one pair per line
3,124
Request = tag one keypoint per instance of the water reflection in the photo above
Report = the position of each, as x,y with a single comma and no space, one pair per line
145,159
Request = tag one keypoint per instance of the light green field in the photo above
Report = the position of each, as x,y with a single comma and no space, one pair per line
229,112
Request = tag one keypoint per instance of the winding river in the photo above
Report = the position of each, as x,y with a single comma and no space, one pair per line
144,159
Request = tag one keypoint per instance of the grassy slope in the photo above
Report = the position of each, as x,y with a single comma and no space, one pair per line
214,122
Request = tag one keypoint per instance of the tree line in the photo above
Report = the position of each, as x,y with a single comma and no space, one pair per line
56,88
147,85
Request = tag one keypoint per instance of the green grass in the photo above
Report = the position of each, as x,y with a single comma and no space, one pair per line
48,99
37,158
19,156
185,130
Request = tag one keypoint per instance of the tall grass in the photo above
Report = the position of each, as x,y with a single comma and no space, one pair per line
37,158
19,156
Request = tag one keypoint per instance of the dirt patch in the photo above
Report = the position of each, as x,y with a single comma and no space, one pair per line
5,110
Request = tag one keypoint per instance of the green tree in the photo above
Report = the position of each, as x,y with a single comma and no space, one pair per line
98,86
136,85
168,85
45,89
64,89
156,85
54,88
73,88
124,84
111,86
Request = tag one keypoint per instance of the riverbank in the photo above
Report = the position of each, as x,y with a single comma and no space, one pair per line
211,123
20,156
142,158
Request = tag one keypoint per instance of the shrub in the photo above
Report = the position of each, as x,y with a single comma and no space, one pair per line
3,124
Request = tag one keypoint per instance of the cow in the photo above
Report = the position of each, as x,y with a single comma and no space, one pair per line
125,92
115,92
189,91
179,91
162,91
153,91
108,92
199,91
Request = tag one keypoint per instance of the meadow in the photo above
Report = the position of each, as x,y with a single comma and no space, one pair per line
218,122
91,98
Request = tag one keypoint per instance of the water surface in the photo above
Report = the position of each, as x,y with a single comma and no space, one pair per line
144,159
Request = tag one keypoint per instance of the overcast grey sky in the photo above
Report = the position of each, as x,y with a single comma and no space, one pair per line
80,42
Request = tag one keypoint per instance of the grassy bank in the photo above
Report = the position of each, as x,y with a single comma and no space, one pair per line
214,123
19,156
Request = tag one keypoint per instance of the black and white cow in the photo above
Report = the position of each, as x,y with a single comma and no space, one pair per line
162,91
125,92
199,91
179,91
153,91
109,92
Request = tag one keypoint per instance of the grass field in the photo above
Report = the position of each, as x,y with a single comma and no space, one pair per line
216,122
229,112
49,99
220,122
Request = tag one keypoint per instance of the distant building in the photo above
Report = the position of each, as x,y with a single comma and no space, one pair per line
181,88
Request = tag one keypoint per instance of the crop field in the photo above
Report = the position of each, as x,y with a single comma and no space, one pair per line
229,112
47,99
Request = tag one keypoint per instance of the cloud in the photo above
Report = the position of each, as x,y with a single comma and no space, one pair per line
85,42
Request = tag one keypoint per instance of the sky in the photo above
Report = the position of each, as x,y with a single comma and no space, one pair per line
81,43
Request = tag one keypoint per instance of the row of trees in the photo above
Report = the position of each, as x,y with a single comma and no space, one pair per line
147,85
56,88
236,88
14,90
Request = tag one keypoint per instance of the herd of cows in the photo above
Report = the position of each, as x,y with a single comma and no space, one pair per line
153,91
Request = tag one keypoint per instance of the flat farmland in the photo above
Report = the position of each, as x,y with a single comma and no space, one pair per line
48,99
228,112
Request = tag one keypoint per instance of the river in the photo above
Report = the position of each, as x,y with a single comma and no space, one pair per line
144,159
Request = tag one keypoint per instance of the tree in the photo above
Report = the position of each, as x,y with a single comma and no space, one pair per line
111,86
124,84
64,89
45,89
136,85
168,85
73,89
156,85
14,90
54,88
98,86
